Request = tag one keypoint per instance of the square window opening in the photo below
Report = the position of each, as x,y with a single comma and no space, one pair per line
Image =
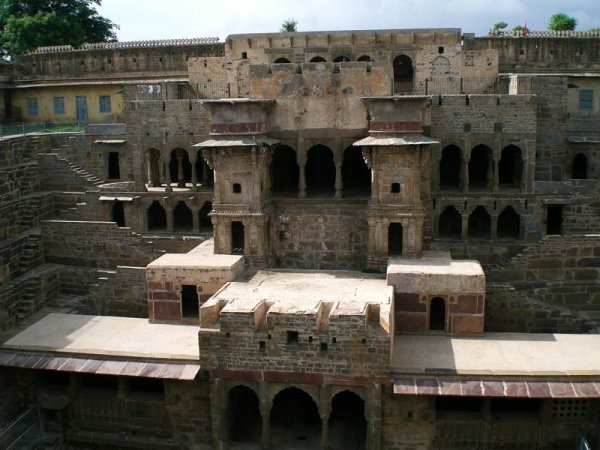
292,337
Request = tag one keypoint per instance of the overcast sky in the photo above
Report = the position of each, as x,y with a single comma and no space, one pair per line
167,19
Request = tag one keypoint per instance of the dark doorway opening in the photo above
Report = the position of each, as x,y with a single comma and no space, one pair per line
437,314
554,219
510,167
183,219
347,423
243,419
341,59
480,223
480,167
364,58
580,167
180,167
118,213
295,420
395,239
189,301
403,74
157,217
356,175
205,222
282,61
204,173
320,171
114,172
237,238
450,166
284,172
509,224
450,225
317,59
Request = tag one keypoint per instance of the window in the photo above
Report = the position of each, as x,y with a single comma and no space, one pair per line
32,107
395,188
104,101
237,188
292,337
586,99
59,105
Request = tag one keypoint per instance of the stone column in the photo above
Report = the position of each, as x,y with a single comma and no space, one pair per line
196,220
407,249
373,407
494,226
464,178
496,175
491,174
149,170
169,211
205,181
324,411
265,412
339,183
194,173
301,157
180,174
465,226
167,176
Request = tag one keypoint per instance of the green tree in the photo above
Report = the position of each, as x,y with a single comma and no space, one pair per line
28,24
562,22
497,27
289,26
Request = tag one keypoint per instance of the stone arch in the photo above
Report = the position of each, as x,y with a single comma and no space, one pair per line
243,420
440,67
295,417
320,171
450,167
480,167
509,224
180,167
281,61
365,58
347,422
341,59
450,223
510,167
117,213
437,314
317,59
403,74
580,167
480,223
284,171
204,218
153,167
156,217
356,175
203,172
182,217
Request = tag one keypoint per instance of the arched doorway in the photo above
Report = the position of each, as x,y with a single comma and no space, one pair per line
450,166
180,167
480,167
284,172
243,418
509,224
356,175
295,420
281,61
347,423
437,314
341,59
480,224
364,58
118,213
450,223
580,166
205,222
182,218
320,171
157,217
510,167
395,239
317,59
403,74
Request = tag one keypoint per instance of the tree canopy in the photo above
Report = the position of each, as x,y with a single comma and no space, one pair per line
562,22
289,26
28,24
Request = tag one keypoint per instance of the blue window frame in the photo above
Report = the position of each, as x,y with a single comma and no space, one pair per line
59,105
104,101
586,99
32,107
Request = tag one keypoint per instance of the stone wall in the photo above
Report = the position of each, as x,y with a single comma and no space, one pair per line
319,234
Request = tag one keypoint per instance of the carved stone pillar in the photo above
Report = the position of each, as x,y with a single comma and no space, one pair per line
465,226
265,412
339,183
464,175
180,174
169,218
194,173
496,175
302,175
494,226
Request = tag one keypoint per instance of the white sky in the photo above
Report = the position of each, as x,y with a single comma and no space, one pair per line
168,19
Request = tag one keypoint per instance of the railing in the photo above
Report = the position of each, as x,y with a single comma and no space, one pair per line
181,91
17,129
544,34
462,85
23,432
128,44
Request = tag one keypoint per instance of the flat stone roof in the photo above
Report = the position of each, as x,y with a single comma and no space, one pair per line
298,291
195,260
122,337
498,354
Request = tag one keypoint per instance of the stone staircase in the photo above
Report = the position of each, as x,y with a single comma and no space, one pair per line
83,174
31,254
